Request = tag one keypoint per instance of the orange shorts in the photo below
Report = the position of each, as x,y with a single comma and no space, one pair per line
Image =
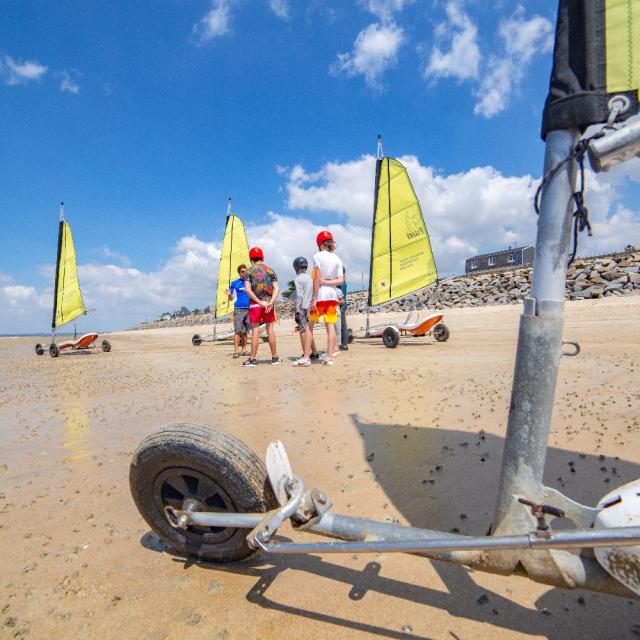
325,309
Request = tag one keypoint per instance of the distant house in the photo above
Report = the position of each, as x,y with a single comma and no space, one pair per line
165,316
510,258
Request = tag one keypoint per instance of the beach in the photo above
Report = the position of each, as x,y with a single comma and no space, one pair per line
412,434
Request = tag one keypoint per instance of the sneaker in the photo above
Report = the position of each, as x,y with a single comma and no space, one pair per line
275,360
335,354
236,355
344,347
302,362
250,363
328,361
315,356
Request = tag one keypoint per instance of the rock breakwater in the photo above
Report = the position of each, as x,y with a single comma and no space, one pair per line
598,277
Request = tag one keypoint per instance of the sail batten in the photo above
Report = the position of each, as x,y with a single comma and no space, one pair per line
67,298
402,260
235,251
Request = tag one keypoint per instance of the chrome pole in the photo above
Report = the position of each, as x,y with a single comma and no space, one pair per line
539,345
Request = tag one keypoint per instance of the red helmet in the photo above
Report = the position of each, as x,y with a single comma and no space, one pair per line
323,236
255,253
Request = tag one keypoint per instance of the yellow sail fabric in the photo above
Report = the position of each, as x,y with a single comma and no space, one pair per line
67,301
401,258
235,251
622,40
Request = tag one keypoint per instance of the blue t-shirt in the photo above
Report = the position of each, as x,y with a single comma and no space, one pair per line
242,299
343,288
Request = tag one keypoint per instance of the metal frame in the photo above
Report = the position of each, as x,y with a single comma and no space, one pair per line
521,541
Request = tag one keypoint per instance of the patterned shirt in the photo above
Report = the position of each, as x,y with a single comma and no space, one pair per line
261,278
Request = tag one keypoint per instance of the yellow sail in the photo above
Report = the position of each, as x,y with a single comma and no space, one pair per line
67,298
235,251
401,257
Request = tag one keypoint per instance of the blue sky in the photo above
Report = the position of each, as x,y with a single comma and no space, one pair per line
145,117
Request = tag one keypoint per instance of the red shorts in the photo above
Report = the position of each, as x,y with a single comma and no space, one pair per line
259,315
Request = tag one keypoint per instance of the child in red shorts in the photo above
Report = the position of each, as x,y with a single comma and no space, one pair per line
261,285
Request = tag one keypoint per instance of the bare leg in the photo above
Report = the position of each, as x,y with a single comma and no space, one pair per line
255,339
271,334
303,340
243,341
331,340
312,343
236,342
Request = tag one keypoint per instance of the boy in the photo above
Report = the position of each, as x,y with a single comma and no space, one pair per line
304,291
261,285
327,275
241,324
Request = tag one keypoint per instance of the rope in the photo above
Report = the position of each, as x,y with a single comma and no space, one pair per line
581,213
617,106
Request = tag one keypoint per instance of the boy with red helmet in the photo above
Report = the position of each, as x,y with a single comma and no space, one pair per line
327,275
261,285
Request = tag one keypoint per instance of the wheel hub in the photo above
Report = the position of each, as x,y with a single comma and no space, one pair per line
188,489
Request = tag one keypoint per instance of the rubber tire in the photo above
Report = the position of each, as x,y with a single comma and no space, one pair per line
224,459
106,346
350,336
54,352
440,332
39,349
196,341
390,337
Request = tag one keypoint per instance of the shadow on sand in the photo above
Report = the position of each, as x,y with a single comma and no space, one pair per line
446,480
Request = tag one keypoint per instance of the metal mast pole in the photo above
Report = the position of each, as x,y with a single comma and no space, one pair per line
539,344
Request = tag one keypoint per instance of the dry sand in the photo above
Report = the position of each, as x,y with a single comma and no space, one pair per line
78,561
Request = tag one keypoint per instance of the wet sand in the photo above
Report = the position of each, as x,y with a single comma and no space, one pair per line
413,434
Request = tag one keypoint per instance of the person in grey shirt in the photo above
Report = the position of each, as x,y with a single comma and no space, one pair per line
304,292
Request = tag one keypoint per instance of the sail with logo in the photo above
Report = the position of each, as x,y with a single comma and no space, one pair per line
402,261
235,251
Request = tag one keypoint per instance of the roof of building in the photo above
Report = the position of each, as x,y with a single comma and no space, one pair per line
500,253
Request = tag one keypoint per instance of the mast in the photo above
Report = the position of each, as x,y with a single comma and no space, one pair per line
376,185
59,252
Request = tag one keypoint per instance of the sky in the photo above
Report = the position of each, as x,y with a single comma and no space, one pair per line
145,117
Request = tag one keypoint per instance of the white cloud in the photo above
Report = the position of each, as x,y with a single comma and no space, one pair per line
374,51
284,238
471,212
280,8
476,211
215,23
110,254
462,59
523,40
15,72
384,9
68,84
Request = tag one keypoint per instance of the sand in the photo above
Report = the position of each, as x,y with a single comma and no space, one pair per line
386,433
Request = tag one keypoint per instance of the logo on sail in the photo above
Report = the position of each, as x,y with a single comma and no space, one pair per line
415,226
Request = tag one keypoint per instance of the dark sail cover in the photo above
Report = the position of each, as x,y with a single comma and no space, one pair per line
596,56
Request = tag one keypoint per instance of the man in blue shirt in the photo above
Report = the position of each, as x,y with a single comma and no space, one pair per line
241,324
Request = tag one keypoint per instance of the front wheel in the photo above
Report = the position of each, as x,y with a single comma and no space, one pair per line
54,351
39,349
441,332
106,346
196,341
194,465
390,337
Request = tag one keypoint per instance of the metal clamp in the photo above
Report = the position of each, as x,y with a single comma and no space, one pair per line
178,519
618,105
576,348
260,536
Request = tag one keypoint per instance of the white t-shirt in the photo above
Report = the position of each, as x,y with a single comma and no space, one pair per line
330,267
